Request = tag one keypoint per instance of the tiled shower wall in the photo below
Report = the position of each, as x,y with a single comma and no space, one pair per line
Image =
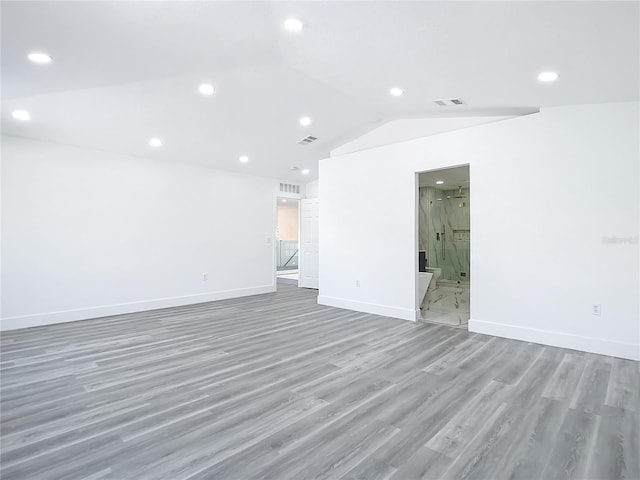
453,258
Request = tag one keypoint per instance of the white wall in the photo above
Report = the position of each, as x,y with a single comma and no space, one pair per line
87,233
408,129
288,223
311,189
546,189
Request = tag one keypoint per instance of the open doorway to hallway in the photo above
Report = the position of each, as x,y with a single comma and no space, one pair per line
287,240
444,241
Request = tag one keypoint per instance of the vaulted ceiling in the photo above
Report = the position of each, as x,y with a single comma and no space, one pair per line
124,72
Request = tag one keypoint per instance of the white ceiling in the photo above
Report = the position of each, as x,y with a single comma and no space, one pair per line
124,72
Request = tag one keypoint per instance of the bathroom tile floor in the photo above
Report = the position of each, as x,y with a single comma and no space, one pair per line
448,305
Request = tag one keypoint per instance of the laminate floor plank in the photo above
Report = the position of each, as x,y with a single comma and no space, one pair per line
424,464
574,447
275,386
618,438
591,392
623,391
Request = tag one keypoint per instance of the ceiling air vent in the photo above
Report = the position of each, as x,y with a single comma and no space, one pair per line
307,140
289,188
445,102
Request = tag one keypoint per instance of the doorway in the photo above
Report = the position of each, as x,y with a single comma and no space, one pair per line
287,241
444,246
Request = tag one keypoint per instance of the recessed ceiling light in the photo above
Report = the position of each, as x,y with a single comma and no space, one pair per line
396,92
548,77
439,199
305,171
155,142
284,200
206,89
38,57
21,115
439,182
305,121
243,159
293,25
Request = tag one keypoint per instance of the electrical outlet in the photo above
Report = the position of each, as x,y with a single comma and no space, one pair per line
204,277
357,283
596,309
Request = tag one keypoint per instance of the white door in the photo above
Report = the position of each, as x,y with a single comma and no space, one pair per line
309,243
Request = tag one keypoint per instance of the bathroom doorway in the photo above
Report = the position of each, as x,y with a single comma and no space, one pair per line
287,240
444,241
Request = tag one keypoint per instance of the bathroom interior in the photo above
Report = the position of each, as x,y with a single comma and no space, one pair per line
444,238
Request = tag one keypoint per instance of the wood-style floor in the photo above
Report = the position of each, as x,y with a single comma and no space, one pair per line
276,387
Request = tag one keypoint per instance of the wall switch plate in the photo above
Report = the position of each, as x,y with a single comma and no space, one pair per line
596,309
357,283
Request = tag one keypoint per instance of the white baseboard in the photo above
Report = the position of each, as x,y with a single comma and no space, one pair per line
630,351
50,318
376,309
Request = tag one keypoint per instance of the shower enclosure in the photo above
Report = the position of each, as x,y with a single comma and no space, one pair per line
445,233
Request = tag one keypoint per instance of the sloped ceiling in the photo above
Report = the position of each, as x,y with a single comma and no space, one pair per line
124,72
